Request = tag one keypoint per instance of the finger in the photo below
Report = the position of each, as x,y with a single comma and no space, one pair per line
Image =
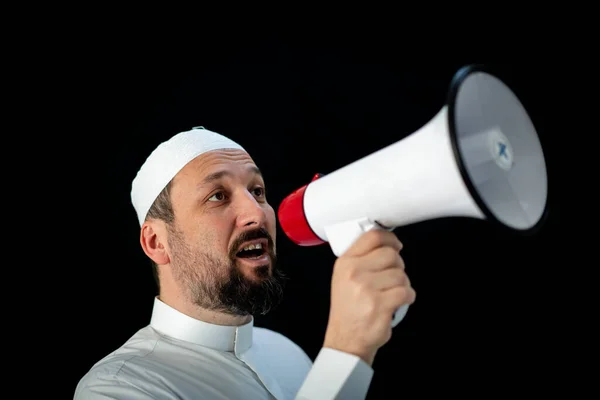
373,239
383,258
394,298
389,278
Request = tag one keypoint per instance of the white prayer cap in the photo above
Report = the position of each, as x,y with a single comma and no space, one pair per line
168,159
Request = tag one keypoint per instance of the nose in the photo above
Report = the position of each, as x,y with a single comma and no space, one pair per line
249,211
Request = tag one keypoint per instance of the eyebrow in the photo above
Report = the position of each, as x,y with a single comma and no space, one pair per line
220,174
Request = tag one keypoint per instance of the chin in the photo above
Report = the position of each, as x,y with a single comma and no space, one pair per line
258,273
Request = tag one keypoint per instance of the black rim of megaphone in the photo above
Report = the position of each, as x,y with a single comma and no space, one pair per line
455,85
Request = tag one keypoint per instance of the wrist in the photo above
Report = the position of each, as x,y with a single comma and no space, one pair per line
366,355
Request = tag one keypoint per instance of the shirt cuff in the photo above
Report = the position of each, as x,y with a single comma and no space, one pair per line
336,375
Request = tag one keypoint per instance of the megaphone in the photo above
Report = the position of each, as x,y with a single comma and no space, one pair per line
479,156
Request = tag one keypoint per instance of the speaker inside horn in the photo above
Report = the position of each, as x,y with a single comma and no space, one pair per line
497,149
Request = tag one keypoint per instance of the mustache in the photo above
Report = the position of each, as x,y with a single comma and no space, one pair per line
259,233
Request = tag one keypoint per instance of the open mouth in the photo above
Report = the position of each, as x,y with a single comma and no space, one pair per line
252,251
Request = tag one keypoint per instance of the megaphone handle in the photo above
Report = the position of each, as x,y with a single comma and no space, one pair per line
342,235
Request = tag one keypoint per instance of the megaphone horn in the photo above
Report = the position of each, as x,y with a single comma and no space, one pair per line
479,156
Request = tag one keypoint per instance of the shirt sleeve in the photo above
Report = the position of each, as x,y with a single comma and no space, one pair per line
336,375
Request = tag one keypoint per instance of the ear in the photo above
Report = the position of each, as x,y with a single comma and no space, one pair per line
153,238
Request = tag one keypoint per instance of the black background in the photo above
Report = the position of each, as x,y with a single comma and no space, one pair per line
487,300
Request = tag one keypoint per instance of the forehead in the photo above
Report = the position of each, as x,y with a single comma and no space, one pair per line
235,162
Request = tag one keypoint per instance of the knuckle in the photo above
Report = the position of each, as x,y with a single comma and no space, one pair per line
368,302
401,263
401,277
389,256
408,295
354,277
350,276
413,295
353,272
403,295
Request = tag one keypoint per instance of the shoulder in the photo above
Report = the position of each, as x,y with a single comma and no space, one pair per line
120,374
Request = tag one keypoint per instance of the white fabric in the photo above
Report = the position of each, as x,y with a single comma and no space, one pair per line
177,357
168,159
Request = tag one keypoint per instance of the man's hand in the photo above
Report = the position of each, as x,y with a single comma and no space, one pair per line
368,285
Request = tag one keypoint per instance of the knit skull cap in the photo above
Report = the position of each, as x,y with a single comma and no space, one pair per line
168,159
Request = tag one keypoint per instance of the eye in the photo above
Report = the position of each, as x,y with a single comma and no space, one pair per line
219,196
258,191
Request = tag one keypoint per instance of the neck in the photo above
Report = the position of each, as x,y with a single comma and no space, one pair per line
185,306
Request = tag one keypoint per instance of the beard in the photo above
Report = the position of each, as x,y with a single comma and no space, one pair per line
218,284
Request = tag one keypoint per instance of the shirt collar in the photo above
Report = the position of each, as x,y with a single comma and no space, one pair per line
171,322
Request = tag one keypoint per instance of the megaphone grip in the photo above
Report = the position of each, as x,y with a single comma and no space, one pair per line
342,235
399,315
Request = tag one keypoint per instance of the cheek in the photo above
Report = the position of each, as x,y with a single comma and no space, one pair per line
214,235
271,220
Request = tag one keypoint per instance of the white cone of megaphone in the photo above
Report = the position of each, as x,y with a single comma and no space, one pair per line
479,156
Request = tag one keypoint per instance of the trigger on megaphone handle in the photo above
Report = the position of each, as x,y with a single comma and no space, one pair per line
342,235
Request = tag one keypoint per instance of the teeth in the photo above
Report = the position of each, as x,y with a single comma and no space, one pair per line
253,246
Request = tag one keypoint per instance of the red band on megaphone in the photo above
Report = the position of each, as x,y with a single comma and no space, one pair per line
293,221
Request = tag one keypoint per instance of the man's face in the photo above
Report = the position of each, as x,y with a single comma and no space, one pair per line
222,244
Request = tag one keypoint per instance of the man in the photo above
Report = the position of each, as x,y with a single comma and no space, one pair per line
210,232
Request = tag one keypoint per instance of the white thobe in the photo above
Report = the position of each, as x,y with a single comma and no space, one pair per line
179,357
